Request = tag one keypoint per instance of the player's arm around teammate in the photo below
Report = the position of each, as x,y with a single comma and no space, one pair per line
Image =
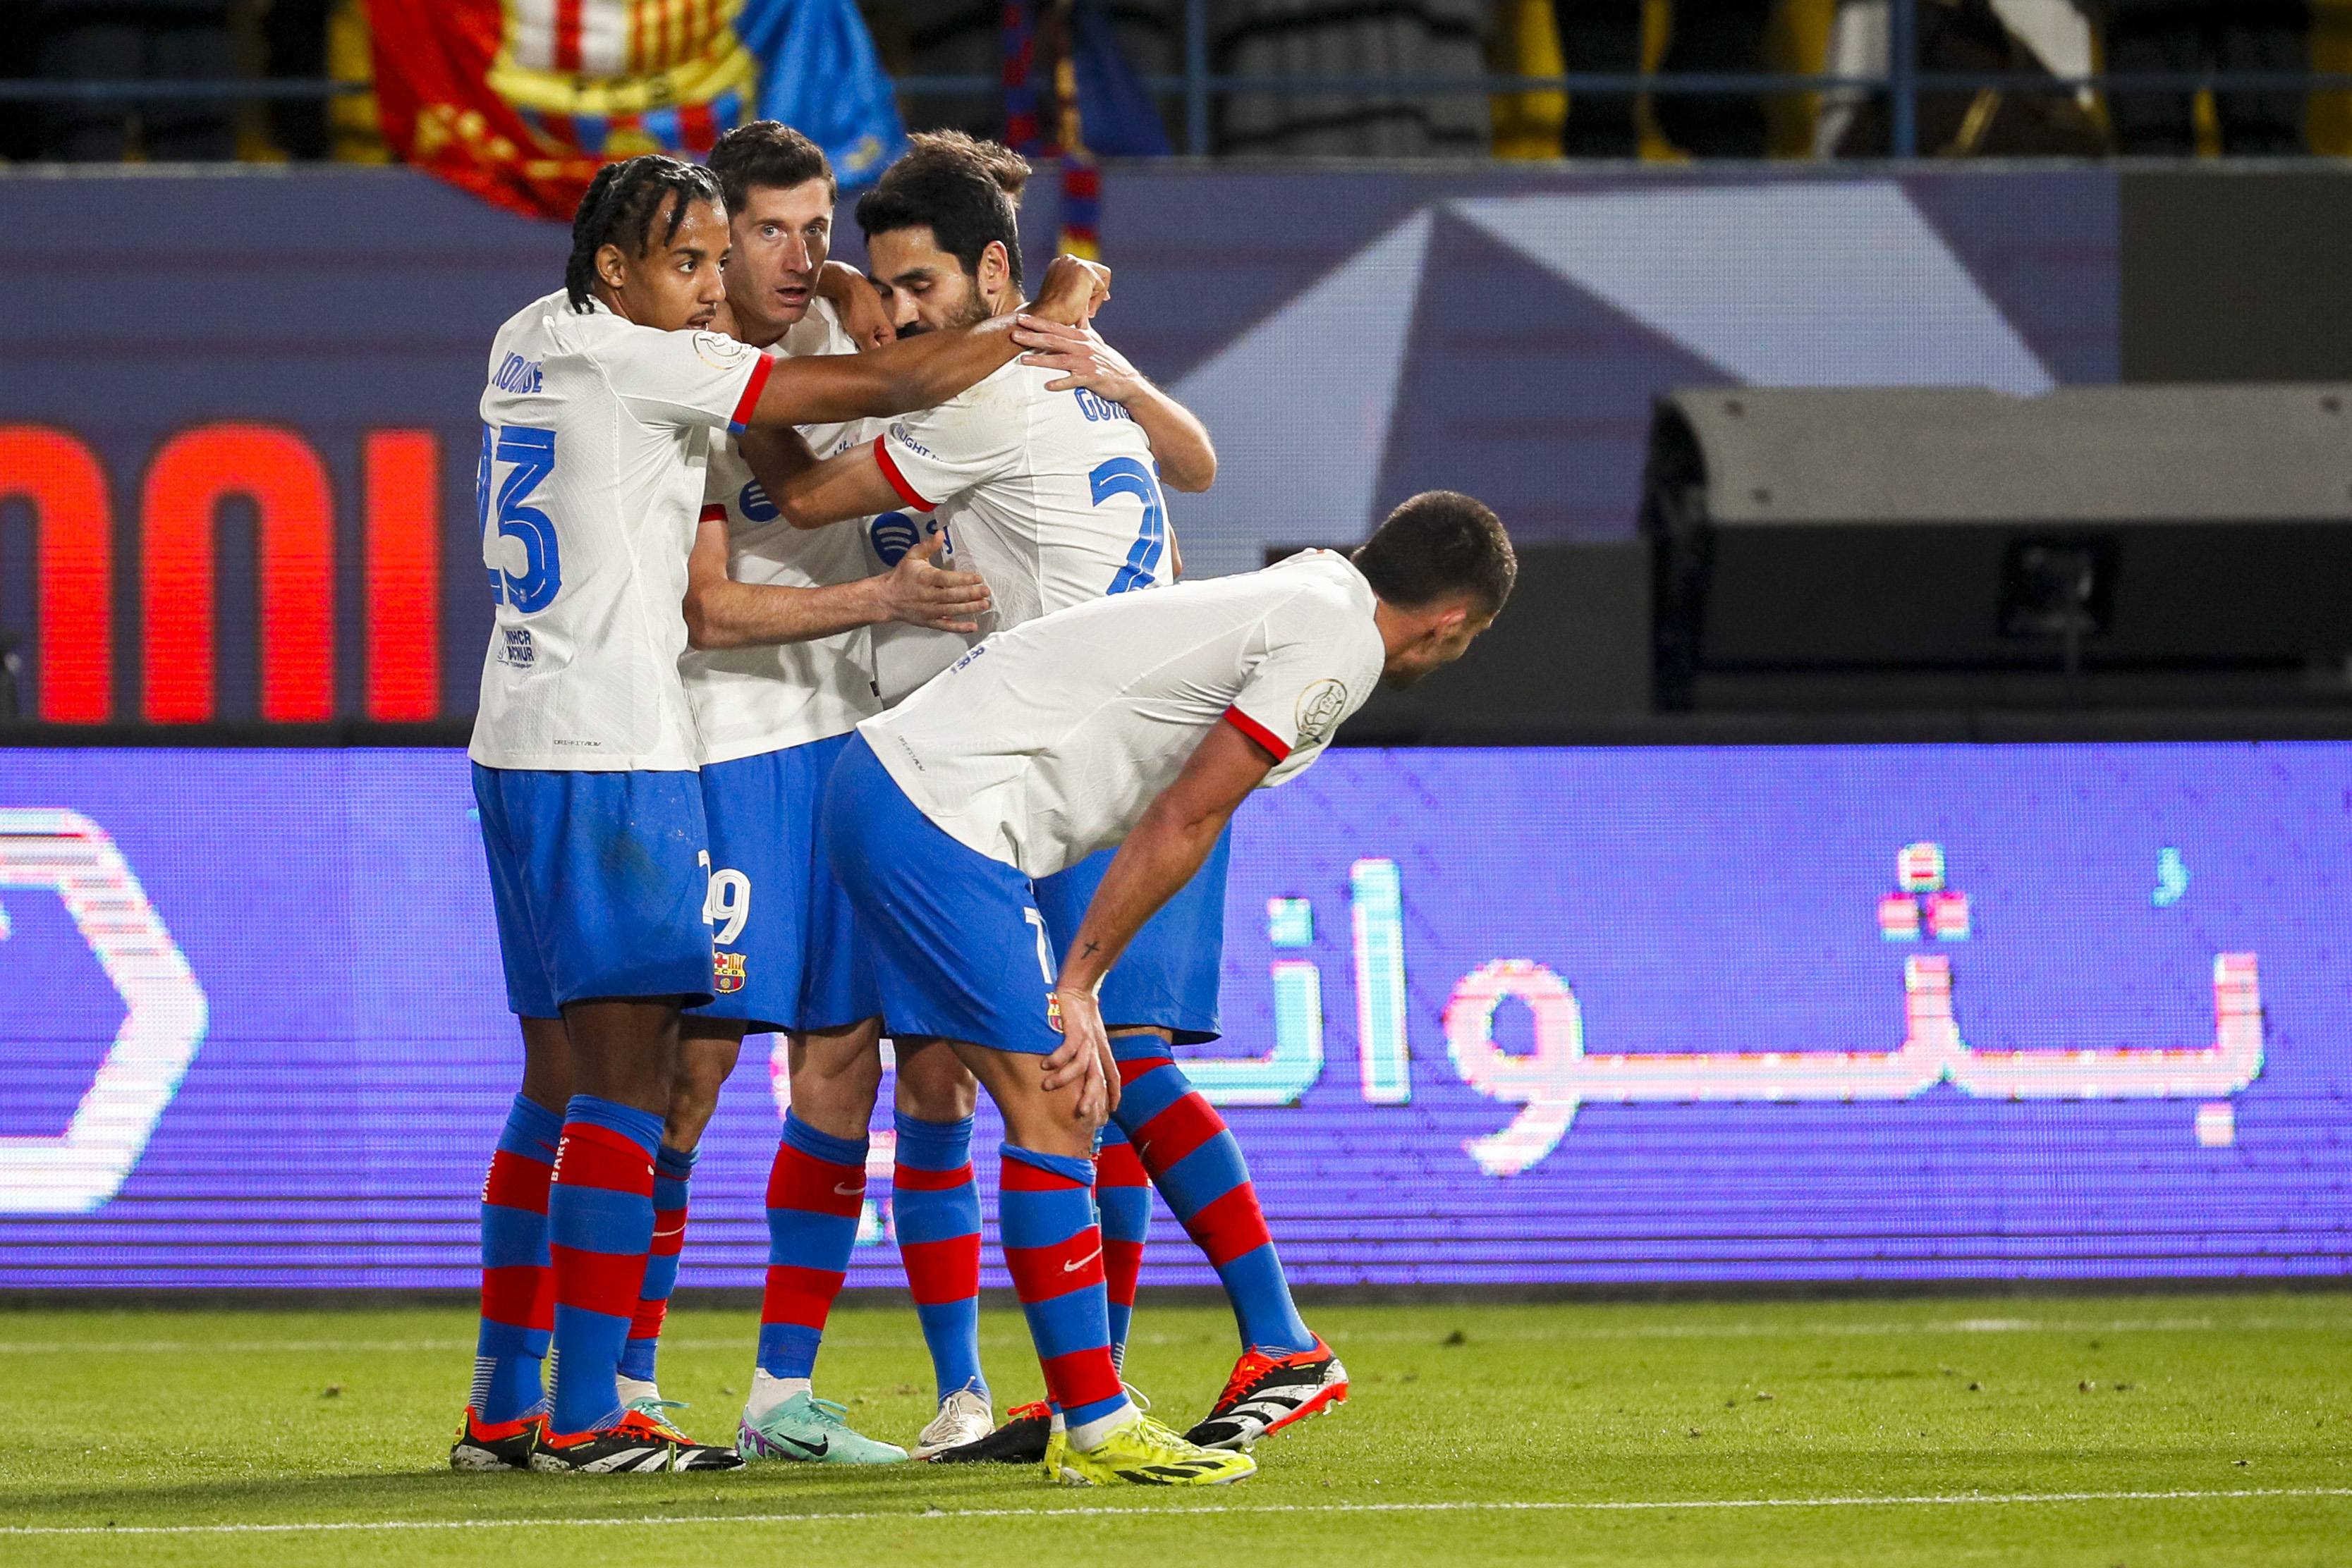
1180,442
1138,719
903,376
721,613
777,674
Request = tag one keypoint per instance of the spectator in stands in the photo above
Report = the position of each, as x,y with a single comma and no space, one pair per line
2198,35
115,40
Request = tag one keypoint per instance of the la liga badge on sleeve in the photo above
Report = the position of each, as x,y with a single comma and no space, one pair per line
1320,707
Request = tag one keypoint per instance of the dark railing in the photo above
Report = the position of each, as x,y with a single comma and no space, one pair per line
1901,86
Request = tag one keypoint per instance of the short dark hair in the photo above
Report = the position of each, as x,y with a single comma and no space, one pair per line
1437,545
965,191
768,154
621,203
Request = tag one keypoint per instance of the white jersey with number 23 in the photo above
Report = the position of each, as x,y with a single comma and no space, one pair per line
595,438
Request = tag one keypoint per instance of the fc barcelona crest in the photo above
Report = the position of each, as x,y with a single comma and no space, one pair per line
726,972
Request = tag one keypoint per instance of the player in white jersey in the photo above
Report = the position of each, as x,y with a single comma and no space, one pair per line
1050,488
1047,475
1047,479
779,673
1140,720
598,412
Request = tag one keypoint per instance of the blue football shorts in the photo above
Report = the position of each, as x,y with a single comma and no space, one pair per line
958,947
1169,975
786,950
598,882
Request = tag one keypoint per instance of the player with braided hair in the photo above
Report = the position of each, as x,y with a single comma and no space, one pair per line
598,417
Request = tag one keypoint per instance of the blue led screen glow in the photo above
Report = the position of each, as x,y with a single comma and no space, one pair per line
1838,1012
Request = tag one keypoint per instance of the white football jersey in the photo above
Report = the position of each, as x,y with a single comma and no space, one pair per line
1046,743
748,701
907,656
902,656
596,433
1052,497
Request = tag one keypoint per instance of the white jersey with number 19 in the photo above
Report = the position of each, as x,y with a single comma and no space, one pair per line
1052,497
596,434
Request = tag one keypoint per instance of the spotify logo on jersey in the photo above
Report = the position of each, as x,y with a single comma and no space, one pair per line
893,534
753,503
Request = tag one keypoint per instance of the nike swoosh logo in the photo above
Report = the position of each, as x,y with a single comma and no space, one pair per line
816,1450
857,1191
1074,1267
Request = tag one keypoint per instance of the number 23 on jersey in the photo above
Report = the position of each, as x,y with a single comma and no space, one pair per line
516,460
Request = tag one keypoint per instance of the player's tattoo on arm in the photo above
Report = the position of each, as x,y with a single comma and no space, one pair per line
1164,849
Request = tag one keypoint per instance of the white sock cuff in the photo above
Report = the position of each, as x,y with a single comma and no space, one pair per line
769,1391
1093,1432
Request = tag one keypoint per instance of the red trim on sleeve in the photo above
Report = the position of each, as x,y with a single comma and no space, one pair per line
898,481
751,398
1257,732
713,513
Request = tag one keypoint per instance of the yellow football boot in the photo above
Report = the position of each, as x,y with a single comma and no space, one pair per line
1143,1453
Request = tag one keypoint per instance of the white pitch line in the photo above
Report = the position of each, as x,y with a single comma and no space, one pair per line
1956,1501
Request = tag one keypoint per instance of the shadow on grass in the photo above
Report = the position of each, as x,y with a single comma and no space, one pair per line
447,1495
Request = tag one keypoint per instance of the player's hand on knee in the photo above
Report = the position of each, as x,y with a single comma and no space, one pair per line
1084,1057
921,594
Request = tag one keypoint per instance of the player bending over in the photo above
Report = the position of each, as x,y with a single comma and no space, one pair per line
1047,476
1029,512
598,414
779,671
1140,720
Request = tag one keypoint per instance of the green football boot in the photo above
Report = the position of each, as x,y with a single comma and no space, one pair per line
812,1431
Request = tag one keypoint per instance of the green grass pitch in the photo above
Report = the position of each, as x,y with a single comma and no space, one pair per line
2093,1431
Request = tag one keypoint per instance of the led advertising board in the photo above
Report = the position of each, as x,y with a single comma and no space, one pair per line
1834,1012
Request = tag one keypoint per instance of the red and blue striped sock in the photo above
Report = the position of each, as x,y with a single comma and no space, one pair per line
518,1289
1123,1195
816,1190
935,1210
1198,1168
599,1226
673,1169
1053,1249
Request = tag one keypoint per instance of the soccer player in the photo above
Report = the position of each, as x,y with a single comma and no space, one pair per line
767,744
779,671
1139,720
1049,485
597,414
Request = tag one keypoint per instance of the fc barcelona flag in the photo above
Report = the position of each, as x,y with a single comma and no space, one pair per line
519,101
